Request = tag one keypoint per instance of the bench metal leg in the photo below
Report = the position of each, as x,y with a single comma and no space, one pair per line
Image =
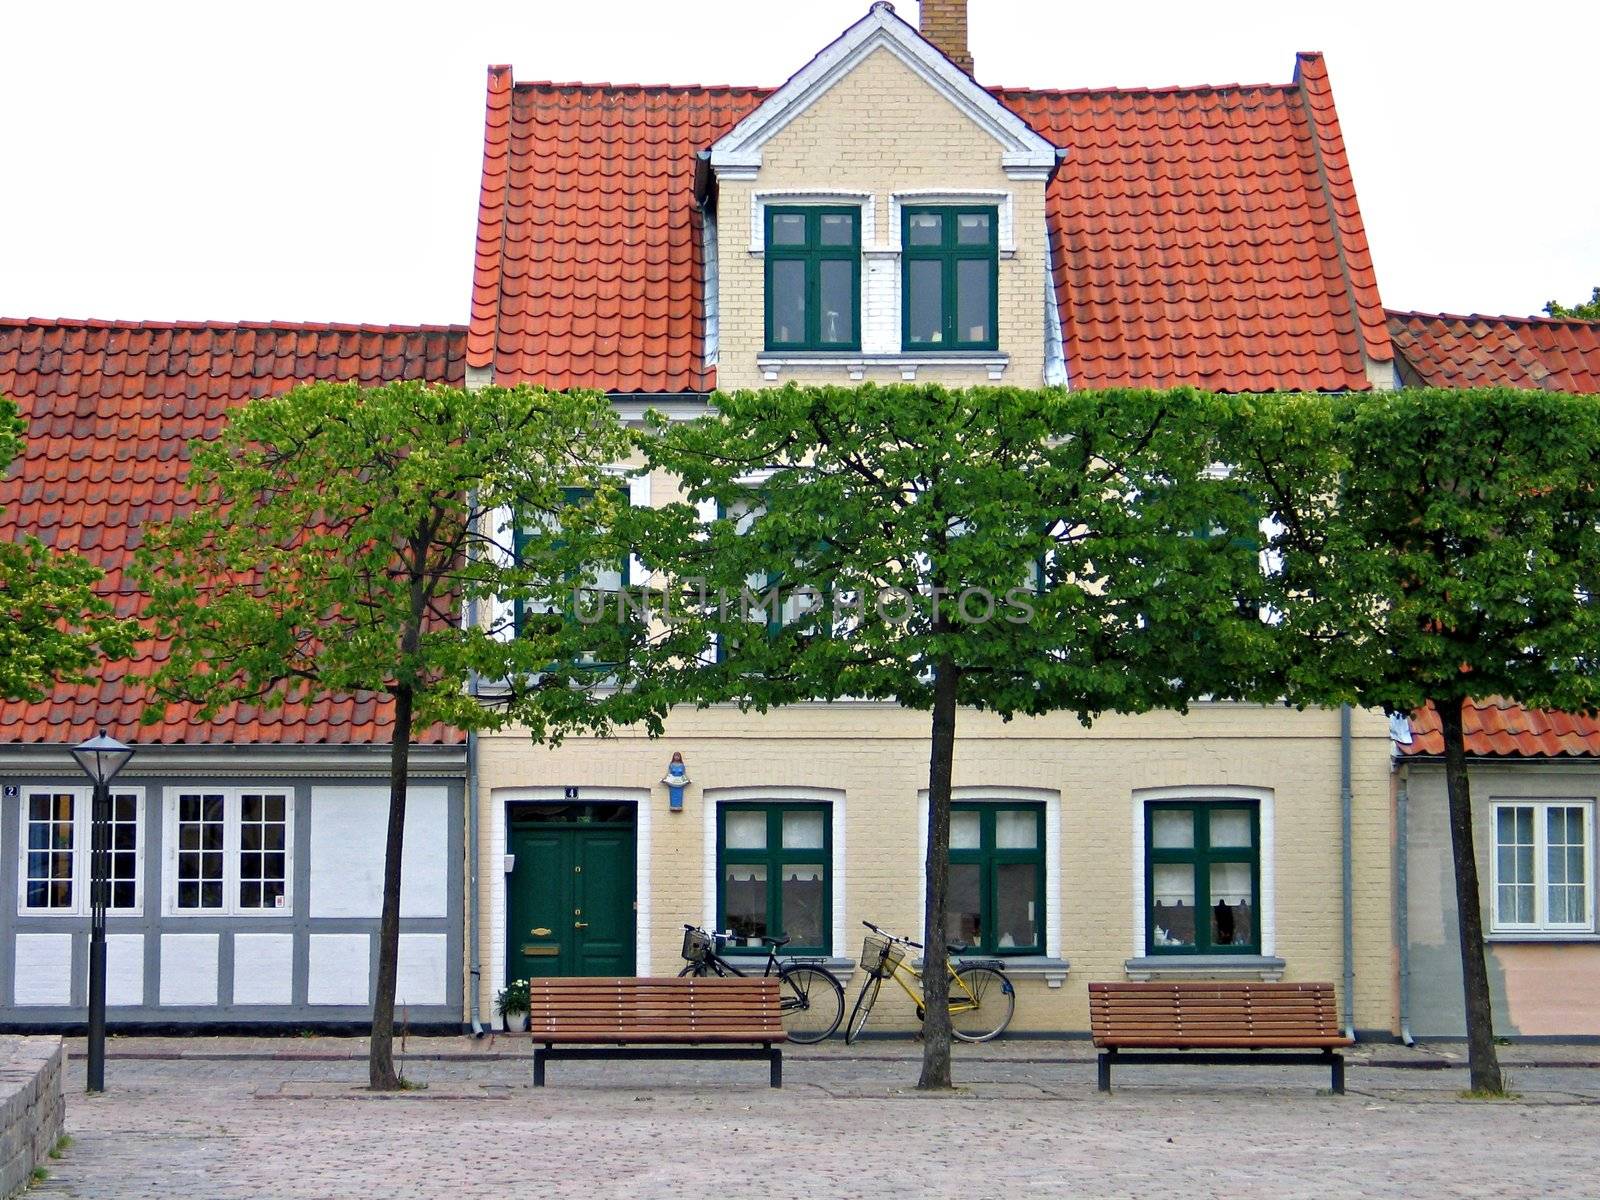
776,1079
1103,1070
538,1067
1337,1063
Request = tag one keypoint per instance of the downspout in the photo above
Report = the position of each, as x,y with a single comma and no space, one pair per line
474,965
1346,803
1402,915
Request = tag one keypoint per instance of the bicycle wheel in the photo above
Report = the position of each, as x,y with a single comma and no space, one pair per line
864,1003
981,1003
697,969
812,1003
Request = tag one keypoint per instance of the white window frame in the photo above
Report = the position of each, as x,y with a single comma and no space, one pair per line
231,806
1004,797
1266,829
712,800
82,833
1541,867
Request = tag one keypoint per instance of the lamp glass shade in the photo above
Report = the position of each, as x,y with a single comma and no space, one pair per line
102,758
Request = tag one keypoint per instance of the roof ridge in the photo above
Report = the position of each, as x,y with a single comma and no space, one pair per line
1529,320
1171,89
995,89
279,326
606,85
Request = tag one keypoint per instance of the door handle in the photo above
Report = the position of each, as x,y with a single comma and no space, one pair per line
580,924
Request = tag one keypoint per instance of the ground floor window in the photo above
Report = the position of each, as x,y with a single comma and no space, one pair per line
231,850
56,831
775,875
996,894
1542,851
1202,877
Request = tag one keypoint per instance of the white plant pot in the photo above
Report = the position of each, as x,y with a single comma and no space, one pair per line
515,1022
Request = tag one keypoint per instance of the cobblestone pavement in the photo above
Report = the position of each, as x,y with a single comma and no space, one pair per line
257,1118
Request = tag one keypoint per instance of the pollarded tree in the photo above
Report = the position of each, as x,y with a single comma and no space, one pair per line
53,626
338,536
1020,552
1436,547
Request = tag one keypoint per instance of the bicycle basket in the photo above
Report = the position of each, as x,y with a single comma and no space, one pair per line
696,945
880,956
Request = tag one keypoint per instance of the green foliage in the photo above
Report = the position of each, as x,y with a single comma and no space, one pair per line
339,533
55,628
1584,310
1436,545
1056,592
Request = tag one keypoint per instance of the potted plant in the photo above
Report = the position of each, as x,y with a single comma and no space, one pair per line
512,1005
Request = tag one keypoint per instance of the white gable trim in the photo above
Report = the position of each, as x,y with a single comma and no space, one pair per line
1023,153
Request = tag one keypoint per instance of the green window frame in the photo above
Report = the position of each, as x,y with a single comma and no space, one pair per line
994,924
812,265
952,256
767,909
521,536
1211,858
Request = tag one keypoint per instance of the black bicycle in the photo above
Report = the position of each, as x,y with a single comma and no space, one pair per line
811,999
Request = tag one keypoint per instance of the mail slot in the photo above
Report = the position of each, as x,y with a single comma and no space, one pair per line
541,951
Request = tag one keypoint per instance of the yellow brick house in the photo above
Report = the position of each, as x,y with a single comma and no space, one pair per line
883,216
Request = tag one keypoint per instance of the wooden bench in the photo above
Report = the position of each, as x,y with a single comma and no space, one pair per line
1278,1022
655,1018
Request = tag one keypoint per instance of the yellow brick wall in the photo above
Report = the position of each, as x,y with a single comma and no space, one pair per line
881,129
877,756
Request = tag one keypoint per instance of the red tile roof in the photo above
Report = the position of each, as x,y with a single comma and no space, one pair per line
1503,728
111,407
1200,235
1442,350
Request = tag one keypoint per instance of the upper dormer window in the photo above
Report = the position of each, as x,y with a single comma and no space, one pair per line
950,281
813,284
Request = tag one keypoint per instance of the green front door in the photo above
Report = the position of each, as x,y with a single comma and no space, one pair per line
570,899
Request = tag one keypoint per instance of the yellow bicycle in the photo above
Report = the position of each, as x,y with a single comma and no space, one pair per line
982,999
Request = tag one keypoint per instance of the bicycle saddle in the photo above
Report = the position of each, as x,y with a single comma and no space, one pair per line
776,943
957,947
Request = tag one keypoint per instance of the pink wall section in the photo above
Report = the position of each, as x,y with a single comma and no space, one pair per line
1551,988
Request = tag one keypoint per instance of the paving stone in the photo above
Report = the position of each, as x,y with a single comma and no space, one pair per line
1027,1122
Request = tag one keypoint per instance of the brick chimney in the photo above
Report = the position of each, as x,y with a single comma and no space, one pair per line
944,23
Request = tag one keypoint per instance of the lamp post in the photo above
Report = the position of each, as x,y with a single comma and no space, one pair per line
101,758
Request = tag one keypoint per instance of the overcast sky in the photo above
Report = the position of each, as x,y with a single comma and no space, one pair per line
319,161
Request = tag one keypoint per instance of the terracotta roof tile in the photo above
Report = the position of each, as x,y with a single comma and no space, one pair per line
1443,350
111,407
1201,235
1503,728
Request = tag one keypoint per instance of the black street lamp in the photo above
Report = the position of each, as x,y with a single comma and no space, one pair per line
101,758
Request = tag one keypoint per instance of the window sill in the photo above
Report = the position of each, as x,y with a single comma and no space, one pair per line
1027,966
754,964
1204,966
1580,937
775,362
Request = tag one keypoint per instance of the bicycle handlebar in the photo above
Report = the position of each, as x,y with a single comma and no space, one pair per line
892,937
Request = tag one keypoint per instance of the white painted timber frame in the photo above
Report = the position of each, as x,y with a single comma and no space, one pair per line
1024,154
231,805
82,824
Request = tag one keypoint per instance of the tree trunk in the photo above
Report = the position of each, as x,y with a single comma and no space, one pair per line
382,1077
935,975
1483,1060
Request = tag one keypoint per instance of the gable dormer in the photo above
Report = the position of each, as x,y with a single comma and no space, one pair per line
881,216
